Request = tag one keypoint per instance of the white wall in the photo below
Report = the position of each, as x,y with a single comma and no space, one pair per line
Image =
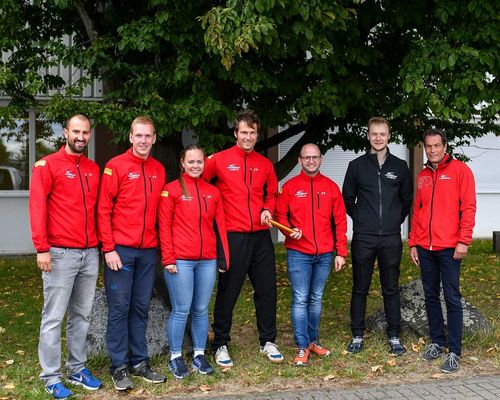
15,236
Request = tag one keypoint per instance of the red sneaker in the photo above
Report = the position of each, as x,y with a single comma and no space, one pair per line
316,348
302,357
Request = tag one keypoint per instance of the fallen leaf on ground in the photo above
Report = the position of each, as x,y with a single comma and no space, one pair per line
2,330
438,376
9,386
344,352
472,358
415,347
9,362
329,377
421,340
392,362
205,388
377,368
491,349
20,352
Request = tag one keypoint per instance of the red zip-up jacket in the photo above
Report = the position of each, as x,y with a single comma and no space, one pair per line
248,185
444,209
63,195
192,227
128,202
314,205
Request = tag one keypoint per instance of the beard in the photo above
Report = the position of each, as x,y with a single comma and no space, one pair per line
77,148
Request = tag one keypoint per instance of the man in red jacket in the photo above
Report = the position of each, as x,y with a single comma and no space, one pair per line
126,217
63,196
441,230
312,204
248,186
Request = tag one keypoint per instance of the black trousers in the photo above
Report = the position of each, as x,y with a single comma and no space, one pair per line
365,249
252,254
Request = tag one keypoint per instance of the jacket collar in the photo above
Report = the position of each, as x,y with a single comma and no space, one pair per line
303,175
133,157
241,152
443,163
75,158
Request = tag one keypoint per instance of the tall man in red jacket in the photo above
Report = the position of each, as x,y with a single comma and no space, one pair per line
63,196
128,202
441,230
248,186
312,204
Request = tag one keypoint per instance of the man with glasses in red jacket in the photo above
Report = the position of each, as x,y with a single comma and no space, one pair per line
128,202
63,195
312,204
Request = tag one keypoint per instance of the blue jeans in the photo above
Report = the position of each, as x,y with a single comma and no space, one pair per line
190,289
308,275
436,267
128,292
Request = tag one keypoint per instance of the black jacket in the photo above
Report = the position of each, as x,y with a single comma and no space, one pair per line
377,199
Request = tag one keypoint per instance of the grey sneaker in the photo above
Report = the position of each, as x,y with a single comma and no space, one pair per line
222,357
271,351
145,372
432,352
121,380
356,345
451,363
396,347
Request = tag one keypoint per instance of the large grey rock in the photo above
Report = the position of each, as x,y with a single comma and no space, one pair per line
414,317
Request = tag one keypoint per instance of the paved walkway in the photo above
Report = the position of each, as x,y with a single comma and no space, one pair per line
480,387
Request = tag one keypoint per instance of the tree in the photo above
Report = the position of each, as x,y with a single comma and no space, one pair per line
320,67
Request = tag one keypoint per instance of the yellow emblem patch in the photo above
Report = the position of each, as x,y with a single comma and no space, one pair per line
210,156
40,163
164,193
108,171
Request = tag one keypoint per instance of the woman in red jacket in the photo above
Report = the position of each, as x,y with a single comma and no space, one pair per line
194,245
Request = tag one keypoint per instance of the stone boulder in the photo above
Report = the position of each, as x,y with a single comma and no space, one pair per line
414,317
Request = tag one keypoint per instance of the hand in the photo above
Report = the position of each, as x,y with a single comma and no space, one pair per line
113,260
414,256
171,268
265,216
43,260
339,263
297,234
460,251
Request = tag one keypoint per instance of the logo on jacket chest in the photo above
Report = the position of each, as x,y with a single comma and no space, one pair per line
424,181
444,177
133,175
233,167
70,174
300,193
391,175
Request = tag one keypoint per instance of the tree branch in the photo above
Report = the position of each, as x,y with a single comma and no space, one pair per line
280,137
87,21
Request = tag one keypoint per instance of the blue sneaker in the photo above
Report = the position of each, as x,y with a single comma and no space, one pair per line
86,379
58,391
178,368
201,365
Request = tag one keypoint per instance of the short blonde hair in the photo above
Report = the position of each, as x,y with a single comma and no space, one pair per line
142,119
378,120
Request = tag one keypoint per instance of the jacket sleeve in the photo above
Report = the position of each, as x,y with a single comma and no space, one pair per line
405,192
271,190
282,208
467,190
349,189
41,186
221,237
340,222
414,218
108,191
166,209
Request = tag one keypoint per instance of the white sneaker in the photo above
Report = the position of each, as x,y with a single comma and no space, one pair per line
222,357
272,352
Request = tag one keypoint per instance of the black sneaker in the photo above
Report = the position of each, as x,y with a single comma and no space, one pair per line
356,345
121,379
396,347
146,373
432,352
451,363
201,365
178,368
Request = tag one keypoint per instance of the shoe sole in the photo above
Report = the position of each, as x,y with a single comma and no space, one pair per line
321,355
150,380
301,364
122,389
78,383
201,372
222,364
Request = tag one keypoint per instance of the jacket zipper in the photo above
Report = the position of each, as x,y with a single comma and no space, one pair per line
84,201
380,202
318,200
87,181
434,180
248,190
145,205
150,184
205,201
313,224
199,207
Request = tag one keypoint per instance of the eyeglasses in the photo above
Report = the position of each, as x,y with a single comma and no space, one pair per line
310,158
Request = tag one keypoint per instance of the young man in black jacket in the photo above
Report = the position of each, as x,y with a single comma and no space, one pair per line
377,193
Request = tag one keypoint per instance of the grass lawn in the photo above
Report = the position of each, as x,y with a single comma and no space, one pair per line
21,301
